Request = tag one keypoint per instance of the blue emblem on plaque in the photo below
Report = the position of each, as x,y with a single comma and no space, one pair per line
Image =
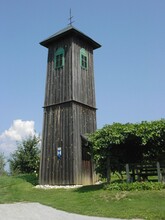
59,152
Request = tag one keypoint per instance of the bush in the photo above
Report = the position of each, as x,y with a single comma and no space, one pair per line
118,144
26,158
136,186
2,164
30,178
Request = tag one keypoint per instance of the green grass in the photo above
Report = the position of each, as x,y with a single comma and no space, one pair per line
88,200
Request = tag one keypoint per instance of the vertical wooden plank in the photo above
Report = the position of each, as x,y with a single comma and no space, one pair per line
55,144
66,145
63,146
43,154
50,149
73,145
47,148
51,146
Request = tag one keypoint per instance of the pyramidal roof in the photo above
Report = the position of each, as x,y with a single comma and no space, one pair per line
67,31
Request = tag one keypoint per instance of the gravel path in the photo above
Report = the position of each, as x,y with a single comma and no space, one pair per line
36,211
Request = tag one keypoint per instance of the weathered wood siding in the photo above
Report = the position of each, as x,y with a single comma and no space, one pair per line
83,80
59,81
70,82
63,126
84,121
58,132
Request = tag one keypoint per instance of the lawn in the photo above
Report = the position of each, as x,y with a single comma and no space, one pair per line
87,200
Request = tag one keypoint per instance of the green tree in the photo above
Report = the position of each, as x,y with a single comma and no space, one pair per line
112,145
2,164
27,156
117,144
153,139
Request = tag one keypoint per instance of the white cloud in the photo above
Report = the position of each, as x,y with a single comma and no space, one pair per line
18,131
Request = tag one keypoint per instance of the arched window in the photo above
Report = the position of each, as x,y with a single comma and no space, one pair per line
83,59
59,58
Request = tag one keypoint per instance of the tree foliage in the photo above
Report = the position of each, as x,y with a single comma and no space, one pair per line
2,164
26,158
128,143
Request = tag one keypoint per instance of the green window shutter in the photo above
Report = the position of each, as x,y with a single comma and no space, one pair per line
59,58
83,59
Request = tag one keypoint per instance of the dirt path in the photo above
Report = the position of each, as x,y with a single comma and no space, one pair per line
36,211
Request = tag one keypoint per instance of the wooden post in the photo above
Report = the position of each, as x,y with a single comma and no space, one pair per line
108,170
127,173
163,175
158,171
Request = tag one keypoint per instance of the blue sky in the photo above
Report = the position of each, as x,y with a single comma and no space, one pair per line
129,67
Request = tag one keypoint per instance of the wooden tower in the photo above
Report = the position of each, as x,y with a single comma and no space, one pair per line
69,109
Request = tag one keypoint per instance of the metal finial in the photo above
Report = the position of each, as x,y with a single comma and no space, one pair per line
70,18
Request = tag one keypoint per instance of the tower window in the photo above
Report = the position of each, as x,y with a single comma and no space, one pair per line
59,58
83,59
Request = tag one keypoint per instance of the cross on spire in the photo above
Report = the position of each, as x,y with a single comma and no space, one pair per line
70,18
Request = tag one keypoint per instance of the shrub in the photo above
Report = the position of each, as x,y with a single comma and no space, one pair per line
136,186
26,158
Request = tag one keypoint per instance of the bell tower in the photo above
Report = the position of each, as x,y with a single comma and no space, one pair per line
69,109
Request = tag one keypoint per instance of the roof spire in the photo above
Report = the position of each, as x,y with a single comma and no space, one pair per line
70,18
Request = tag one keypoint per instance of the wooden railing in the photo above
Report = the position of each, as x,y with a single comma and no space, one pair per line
141,172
